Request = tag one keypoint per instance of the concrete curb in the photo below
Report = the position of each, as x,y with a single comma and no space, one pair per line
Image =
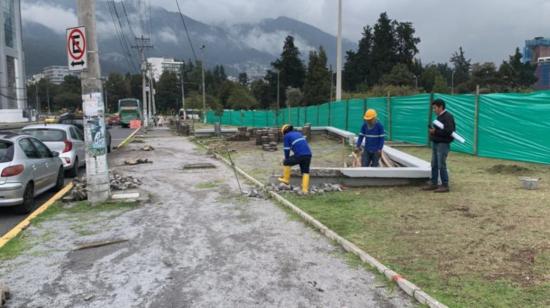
128,139
15,231
407,286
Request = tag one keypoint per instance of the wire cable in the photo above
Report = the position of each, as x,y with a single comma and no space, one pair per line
187,32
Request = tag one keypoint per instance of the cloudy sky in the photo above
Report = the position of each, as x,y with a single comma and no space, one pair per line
489,30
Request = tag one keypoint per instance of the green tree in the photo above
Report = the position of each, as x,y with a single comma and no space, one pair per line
405,43
485,75
135,83
240,98
317,83
427,79
243,79
294,97
516,74
399,76
68,94
117,87
290,66
263,94
440,84
168,93
461,67
357,66
384,48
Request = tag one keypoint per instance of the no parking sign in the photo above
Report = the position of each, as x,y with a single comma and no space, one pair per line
76,48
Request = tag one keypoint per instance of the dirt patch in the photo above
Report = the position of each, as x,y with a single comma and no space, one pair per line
508,169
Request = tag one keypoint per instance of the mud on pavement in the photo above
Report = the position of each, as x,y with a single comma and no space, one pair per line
196,243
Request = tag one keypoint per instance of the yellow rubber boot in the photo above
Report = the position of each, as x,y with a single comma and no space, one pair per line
305,183
286,175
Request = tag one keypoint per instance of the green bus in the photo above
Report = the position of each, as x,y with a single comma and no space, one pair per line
129,109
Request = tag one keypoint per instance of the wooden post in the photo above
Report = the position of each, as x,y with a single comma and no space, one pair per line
430,114
476,123
388,107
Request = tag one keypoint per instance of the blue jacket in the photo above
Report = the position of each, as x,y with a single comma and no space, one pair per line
294,141
374,137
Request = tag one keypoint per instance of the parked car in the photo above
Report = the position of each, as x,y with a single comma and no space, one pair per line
65,139
113,120
78,121
27,169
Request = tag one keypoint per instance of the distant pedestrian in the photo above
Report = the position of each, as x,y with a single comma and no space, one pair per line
373,133
441,143
294,141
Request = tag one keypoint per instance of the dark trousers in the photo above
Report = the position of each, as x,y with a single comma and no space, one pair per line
370,159
303,161
440,151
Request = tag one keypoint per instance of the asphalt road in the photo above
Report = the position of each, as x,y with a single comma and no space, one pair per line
8,219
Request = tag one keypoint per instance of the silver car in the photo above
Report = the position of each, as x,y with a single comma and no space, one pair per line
65,139
27,169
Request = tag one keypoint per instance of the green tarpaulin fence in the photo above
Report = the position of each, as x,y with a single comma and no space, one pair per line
507,126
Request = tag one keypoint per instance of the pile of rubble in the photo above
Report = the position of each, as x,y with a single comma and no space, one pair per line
268,139
117,183
139,161
313,189
242,135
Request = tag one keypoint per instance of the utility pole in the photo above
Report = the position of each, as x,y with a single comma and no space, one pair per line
183,91
152,107
48,96
97,170
339,54
143,43
203,87
331,83
37,101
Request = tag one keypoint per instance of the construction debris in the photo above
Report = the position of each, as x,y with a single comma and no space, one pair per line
4,294
100,244
270,147
117,182
133,162
242,135
147,148
314,189
199,166
268,139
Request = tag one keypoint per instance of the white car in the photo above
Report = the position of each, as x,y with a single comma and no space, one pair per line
65,139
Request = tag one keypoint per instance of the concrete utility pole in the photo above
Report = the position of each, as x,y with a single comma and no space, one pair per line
97,170
183,90
143,43
339,54
203,87
152,106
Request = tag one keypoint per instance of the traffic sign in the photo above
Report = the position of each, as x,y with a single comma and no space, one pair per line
77,49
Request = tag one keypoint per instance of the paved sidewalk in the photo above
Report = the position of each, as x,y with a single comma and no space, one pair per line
197,243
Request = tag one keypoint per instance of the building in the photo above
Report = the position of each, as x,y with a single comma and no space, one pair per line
56,73
12,63
537,51
161,65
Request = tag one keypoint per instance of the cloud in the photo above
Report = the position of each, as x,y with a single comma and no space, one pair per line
488,30
167,35
55,18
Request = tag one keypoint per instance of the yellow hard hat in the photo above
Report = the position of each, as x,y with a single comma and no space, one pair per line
284,128
370,114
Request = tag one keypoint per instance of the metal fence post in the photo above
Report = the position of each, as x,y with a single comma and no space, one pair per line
318,115
476,123
388,107
347,114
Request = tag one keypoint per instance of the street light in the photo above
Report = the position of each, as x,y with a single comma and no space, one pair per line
203,86
415,82
453,83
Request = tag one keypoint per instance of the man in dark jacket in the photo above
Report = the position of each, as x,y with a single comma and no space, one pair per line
441,138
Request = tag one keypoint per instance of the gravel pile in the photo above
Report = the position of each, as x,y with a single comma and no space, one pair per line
117,182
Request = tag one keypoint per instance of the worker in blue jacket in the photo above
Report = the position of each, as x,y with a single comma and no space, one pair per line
373,134
294,141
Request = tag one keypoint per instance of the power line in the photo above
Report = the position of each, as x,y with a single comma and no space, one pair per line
121,37
187,31
126,41
127,18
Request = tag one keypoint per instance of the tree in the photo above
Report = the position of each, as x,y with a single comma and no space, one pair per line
461,67
135,86
317,83
168,93
290,66
294,97
357,66
243,79
384,48
68,95
117,87
427,79
516,74
262,92
399,76
440,84
405,43
241,98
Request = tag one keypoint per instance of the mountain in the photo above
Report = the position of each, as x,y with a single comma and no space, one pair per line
249,47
